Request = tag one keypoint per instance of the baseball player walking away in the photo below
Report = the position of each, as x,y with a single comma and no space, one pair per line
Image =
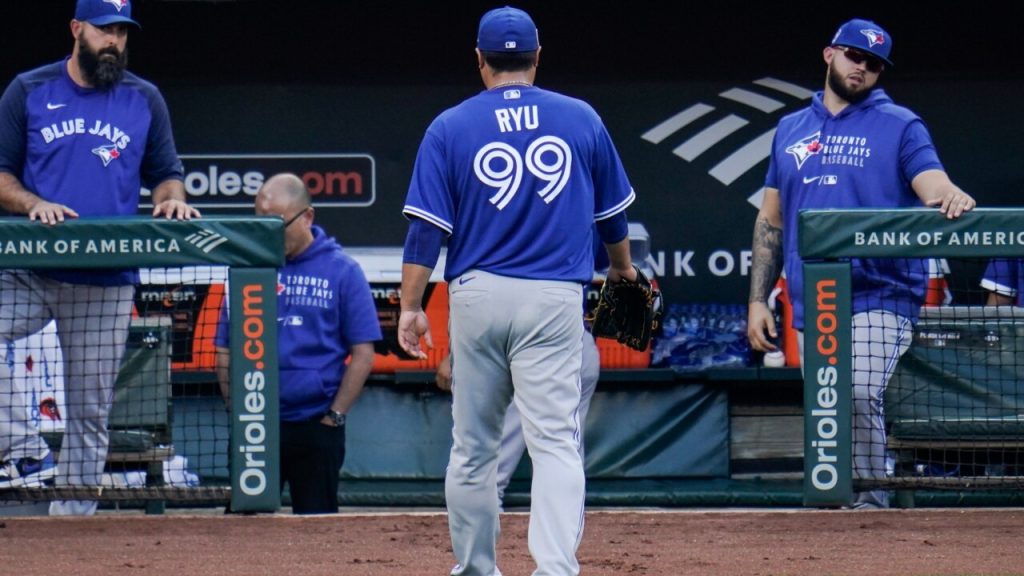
515,177
78,138
513,444
853,147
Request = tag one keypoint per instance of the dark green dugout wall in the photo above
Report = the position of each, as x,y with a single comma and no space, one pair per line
632,432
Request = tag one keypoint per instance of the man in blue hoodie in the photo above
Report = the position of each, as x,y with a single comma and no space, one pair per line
853,147
325,314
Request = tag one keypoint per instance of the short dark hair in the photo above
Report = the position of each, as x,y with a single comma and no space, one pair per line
510,61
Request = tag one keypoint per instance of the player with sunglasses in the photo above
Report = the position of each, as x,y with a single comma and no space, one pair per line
853,147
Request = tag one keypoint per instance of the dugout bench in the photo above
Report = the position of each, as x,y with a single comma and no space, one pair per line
140,420
955,405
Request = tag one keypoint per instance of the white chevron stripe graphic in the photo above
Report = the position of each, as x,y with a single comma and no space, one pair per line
708,137
665,129
752,99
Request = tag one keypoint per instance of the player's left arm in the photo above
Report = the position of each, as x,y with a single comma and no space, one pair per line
169,201
352,382
934,188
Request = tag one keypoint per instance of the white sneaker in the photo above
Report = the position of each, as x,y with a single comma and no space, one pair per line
28,472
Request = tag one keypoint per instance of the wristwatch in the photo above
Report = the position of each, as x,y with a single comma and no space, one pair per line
337,417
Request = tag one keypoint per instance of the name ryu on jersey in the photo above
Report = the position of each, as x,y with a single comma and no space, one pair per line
548,158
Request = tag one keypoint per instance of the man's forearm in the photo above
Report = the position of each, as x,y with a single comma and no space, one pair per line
356,373
14,197
224,372
618,254
171,189
414,283
766,259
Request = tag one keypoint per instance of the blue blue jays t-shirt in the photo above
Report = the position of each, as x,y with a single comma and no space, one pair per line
324,307
516,176
864,157
87,148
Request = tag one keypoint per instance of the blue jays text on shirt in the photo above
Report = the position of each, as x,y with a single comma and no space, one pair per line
308,291
842,150
57,131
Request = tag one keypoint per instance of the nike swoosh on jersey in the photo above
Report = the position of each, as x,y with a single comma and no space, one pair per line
50,106
465,280
809,179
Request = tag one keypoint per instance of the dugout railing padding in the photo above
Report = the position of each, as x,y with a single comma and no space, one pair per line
253,249
827,240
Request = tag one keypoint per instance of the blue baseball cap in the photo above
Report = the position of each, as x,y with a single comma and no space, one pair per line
507,30
104,12
866,36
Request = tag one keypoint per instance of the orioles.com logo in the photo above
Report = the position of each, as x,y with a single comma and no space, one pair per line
232,180
253,445
825,474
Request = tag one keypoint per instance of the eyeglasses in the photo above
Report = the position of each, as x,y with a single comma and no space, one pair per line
289,221
872,63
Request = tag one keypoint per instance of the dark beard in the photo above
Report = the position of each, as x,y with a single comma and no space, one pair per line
840,89
102,73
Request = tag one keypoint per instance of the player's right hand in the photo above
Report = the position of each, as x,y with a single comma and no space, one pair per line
761,329
443,377
411,325
50,212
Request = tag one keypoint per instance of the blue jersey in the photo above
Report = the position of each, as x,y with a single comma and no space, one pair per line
1003,276
864,157
516,176
324,307
88,149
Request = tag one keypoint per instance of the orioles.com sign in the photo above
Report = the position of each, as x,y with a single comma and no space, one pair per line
253,478
232,180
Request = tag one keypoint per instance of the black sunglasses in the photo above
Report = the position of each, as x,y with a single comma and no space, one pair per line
289,221
872,63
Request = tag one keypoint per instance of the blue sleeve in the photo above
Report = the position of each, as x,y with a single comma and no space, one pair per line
613,229
601,261
429,195
422,243
612,191
917,151
359,314
223,337
12,129
1002,276
161,161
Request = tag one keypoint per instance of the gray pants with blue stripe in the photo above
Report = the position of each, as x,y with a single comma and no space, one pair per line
92,326
522,338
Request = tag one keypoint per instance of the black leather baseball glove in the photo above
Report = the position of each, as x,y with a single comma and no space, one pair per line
627,311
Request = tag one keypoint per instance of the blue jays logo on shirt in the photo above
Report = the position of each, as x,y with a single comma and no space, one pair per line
805,148
875,37
107,153
117,3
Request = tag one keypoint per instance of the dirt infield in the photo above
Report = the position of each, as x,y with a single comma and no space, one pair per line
930,542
